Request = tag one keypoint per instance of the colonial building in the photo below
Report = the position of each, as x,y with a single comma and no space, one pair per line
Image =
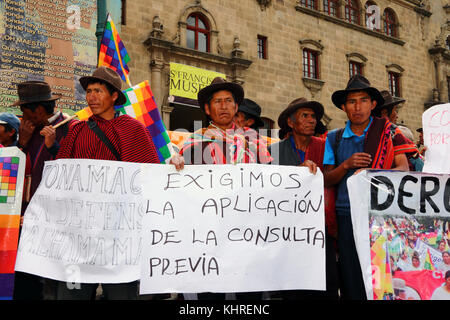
280,50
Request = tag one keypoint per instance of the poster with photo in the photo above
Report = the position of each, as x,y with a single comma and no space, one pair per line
401,226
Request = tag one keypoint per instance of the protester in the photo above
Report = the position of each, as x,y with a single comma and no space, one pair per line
106,136
442,292
347,151
445,263
399,287
40,142
222,142
248,115
415,159
415,262
299,147
389,111
321,130
420,144
9,129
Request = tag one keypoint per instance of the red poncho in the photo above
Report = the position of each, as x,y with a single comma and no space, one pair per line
130,138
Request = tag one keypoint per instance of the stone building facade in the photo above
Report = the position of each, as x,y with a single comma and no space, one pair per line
280,50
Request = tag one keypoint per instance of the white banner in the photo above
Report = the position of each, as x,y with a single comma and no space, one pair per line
232,228
392,214
436,137
83,223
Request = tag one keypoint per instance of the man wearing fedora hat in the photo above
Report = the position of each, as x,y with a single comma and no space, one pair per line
389,111
106,136
222,142
40,142
248,115
365,142
299,147
130,140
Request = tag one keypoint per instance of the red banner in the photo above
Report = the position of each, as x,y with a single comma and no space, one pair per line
424,282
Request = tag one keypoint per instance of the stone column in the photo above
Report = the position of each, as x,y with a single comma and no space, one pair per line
165,115
157,66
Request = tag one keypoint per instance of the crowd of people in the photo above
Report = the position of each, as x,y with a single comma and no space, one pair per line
370,139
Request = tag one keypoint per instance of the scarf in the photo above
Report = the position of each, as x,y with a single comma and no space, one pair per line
231,145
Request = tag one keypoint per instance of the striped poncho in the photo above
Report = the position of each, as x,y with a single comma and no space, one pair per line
129,137
213,145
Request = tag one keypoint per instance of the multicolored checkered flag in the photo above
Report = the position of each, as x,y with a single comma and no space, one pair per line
141,105
112,51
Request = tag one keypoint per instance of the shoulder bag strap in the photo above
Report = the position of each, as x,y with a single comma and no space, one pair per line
101,135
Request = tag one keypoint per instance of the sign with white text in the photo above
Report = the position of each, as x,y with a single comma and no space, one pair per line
401,224
83,223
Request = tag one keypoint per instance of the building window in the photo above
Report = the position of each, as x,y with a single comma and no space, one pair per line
390,23
352,11
310,64
311,4
330,7
355,68
197,33
262,47
394,84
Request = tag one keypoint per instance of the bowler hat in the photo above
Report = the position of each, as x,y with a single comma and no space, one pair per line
357,83
12,120
34,91
251,108
298,103
218,84
109,76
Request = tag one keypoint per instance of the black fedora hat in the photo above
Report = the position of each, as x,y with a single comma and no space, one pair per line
219,84
357,83
296,104
389,103
34,91
107,75
251,108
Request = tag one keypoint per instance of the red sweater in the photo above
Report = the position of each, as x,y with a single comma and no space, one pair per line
130,138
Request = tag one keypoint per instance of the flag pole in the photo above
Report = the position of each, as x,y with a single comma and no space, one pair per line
101,39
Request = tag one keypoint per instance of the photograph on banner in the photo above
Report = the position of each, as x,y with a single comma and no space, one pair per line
12,172
407,214
232,228
83,224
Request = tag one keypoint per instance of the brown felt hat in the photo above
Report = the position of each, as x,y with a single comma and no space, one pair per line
34,91
296,104
107,75
219,84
